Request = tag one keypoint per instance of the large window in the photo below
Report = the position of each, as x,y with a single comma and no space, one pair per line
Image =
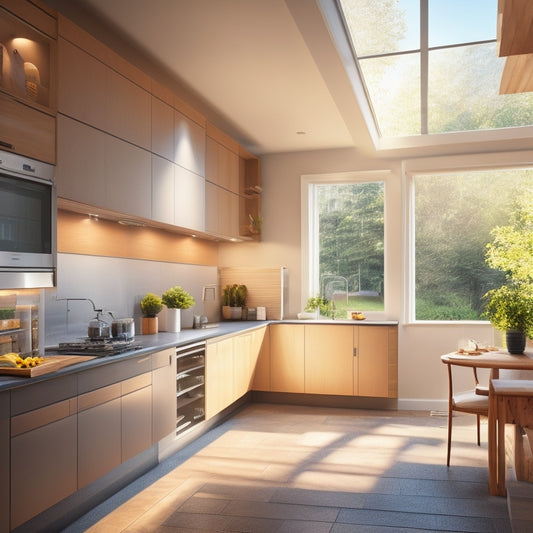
454,214
346,243
432,66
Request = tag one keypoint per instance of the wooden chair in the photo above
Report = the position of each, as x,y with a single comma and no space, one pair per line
475,401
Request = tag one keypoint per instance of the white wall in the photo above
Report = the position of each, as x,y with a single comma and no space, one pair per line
422,376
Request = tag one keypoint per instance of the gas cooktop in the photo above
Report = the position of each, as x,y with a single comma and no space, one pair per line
98,347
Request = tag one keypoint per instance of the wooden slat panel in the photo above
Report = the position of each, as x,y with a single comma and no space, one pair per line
264,287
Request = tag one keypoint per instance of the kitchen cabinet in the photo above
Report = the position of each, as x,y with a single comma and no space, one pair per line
329,359
4,460
376,370
101,170
219,377
189,199
261,359
222,162
221,211
189,144
93,93
136,396
26,131
44,436
250,197
163,394
287,363
99,433
242,364
163,190
162,129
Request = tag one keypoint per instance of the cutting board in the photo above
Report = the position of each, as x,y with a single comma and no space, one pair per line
51,364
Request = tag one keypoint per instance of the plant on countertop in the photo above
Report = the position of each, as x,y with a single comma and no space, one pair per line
318,302
234,295
177,298
151,304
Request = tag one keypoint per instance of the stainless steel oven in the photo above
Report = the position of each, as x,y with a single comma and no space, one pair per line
28,207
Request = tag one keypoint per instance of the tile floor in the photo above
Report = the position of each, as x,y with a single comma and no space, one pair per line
277,468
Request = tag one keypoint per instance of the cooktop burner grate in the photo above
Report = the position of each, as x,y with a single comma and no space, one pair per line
99,347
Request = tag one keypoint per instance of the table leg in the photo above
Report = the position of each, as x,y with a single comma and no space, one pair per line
492,444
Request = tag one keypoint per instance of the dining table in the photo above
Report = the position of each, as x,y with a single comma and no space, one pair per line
495,360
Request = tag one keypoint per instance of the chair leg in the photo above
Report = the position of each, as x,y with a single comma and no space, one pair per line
449,436
478,439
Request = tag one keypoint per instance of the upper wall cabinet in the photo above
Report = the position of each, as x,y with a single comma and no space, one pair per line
93,93
27,80
189,144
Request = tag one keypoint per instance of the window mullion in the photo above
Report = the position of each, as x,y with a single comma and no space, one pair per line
424,53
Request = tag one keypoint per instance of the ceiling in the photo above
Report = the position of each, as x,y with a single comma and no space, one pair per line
267,69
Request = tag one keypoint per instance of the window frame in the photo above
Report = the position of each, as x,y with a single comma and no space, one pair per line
308,227
443,165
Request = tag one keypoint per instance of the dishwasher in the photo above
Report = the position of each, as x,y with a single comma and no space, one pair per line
190,385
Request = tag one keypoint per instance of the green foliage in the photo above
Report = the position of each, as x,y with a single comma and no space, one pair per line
151,305
7,312
177,298
511,250
234,295
444,306
510,308
320,303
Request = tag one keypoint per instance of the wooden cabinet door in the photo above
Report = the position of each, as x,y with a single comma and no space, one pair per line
218,377
189,144
27,131
99,435
163,394
329,359
222,166
373,361
287,358
221,211
242,364
261,365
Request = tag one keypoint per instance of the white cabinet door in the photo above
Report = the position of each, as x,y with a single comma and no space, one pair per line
162,129
189,199
163,183
189,144
80,172
127,175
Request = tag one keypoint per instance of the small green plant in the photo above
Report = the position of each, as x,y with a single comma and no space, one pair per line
234,295
151,304
177,298
256,224
510,308
318,302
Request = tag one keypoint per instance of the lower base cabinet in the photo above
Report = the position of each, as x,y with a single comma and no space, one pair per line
43,467
163,393
218,376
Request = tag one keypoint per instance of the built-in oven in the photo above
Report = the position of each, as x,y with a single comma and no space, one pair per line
28,206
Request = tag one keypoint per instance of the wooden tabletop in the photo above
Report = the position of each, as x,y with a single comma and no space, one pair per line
500,359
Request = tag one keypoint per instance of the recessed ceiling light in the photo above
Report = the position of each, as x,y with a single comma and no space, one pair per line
93,216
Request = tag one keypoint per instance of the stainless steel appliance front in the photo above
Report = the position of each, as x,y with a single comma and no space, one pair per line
27,223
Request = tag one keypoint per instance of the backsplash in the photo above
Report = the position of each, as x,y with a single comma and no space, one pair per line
117,285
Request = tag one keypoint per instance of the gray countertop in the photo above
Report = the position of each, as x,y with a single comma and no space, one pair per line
152,343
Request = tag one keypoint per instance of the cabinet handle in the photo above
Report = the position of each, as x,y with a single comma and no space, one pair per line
6,145
355,352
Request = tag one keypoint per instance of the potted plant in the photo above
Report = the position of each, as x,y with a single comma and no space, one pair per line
151,305
175,299
316,306
233,300
510,308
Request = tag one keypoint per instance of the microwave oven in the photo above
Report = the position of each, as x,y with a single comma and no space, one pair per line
28,217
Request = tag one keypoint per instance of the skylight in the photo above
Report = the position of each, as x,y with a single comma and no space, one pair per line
431,66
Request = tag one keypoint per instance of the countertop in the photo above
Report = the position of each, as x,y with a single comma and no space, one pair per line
162,340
